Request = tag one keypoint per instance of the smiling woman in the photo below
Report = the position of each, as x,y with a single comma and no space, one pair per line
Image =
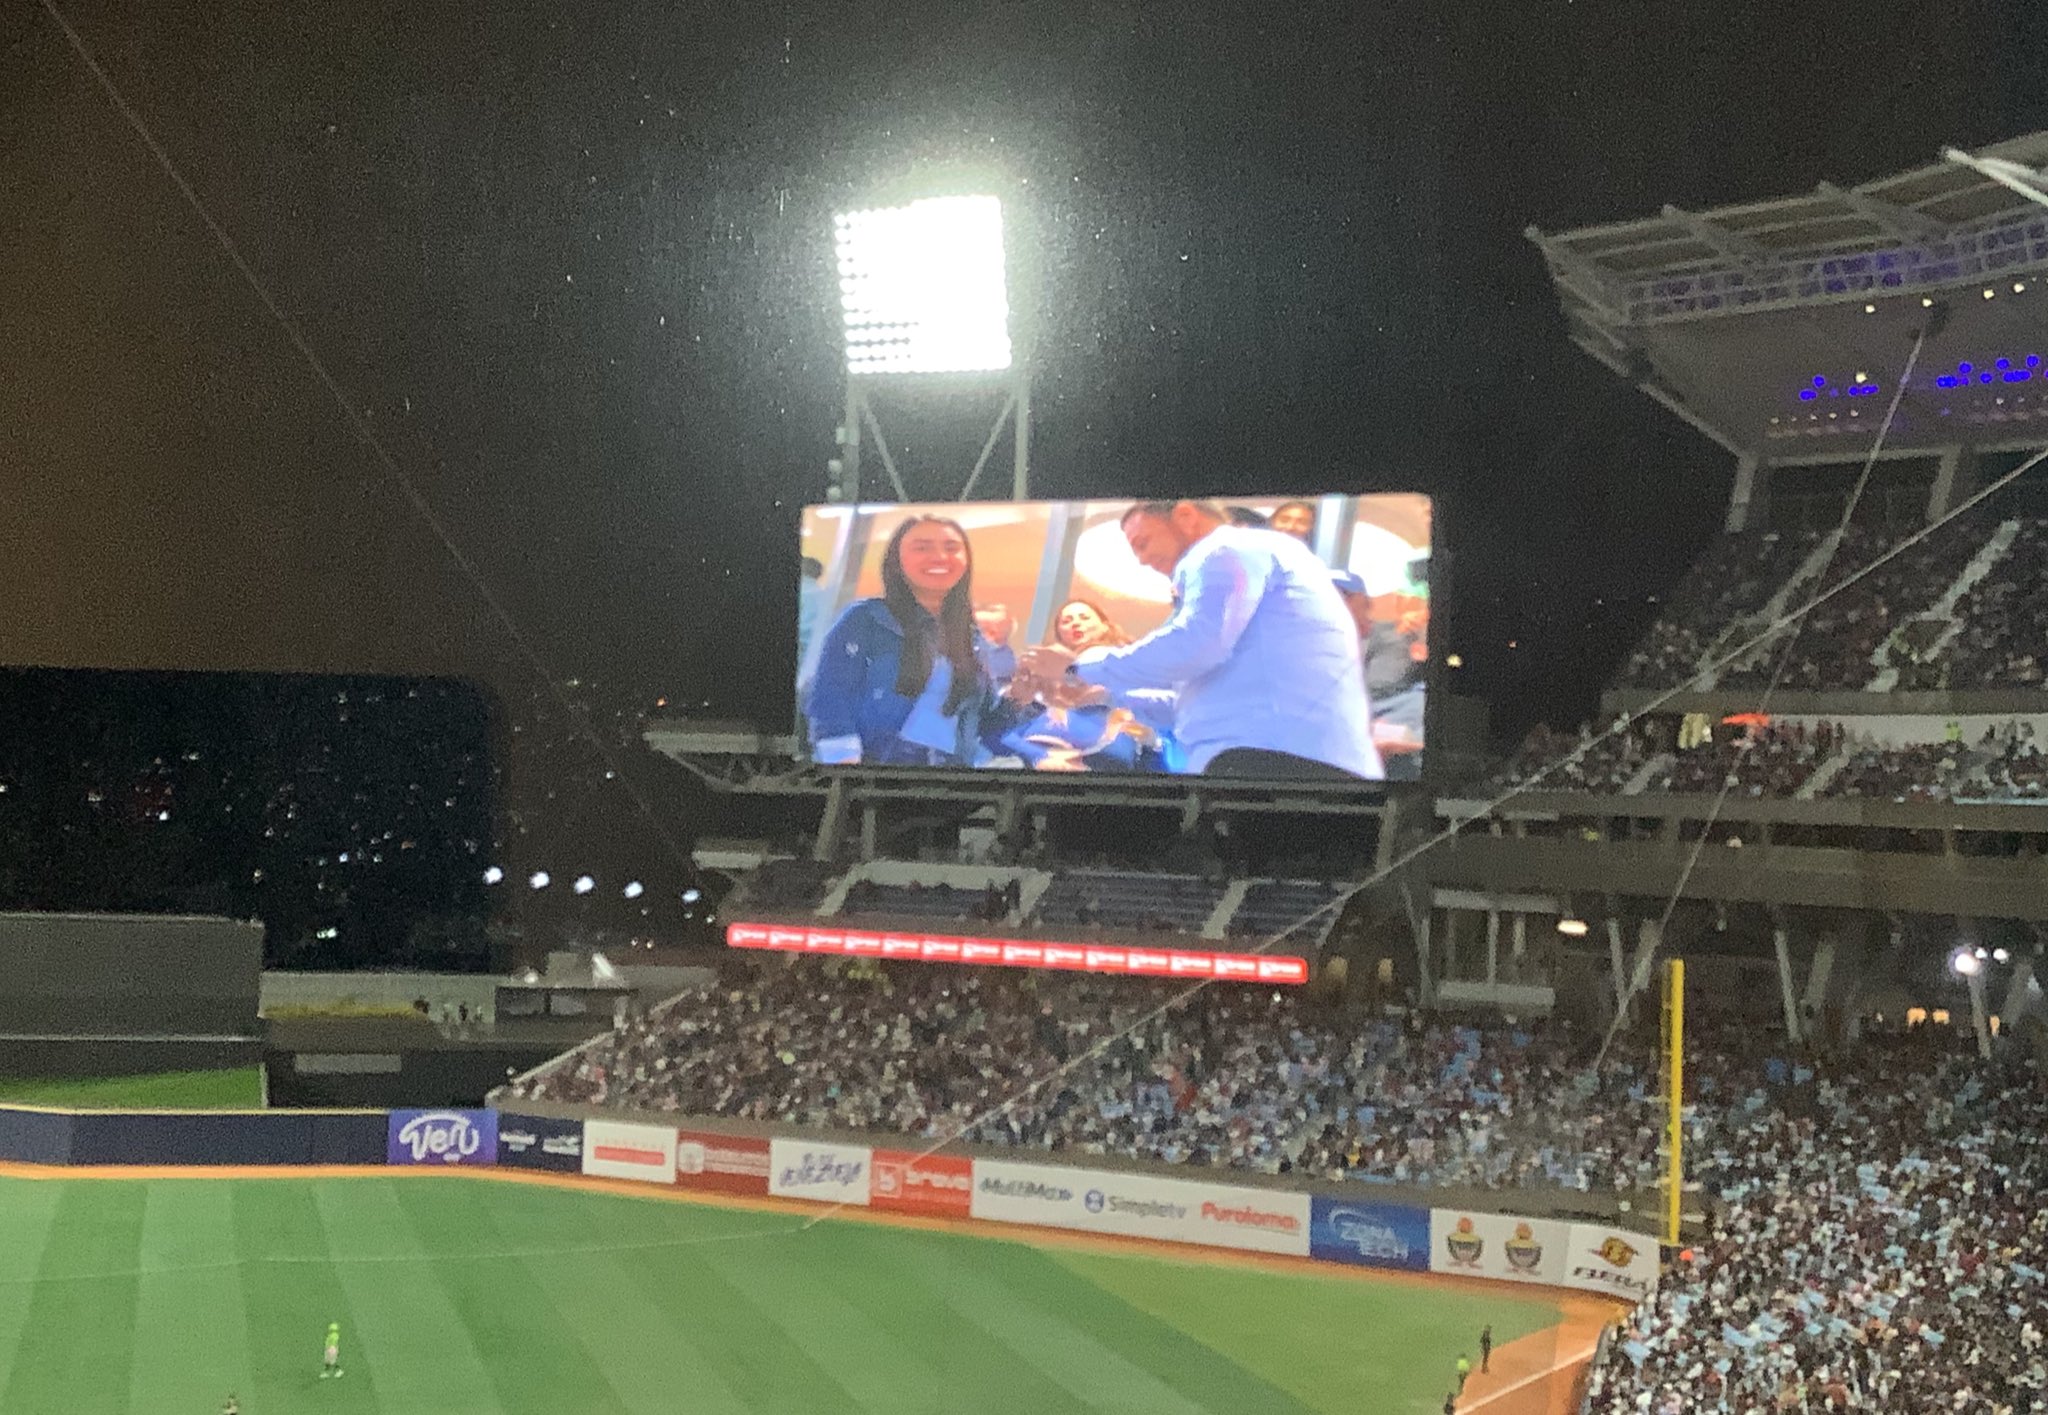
909,679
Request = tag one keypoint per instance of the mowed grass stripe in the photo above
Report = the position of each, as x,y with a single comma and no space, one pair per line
974,1370
1154,1338
407,1333
1095,1375
77,1338
751,1356
191,1332
650,1367
26,1214
1396,1346
831,1319
980,1372
290,1292
511,1314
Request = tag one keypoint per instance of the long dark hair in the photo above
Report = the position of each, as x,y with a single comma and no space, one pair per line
956,621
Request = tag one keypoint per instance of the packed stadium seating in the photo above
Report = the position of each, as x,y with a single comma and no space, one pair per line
1878,1244
1731,581
1876,1216
2001,624
1771,761
1987,635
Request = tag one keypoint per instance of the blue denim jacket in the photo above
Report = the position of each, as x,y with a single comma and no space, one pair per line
853,706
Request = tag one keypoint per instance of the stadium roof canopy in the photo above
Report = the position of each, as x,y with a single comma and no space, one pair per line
1781,327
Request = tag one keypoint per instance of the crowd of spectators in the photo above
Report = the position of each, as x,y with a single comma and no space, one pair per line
2001,623
1876,1236
2005,764
1877,1242
2001,637
1771,760
1550,760
1835,645
1730,582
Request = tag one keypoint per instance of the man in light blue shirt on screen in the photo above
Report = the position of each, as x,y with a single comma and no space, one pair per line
1260,657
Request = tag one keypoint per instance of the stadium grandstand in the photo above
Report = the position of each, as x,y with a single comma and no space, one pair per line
1817,781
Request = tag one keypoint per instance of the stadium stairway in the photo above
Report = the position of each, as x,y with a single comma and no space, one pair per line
1981,565
1218,923
1651,770
1827,771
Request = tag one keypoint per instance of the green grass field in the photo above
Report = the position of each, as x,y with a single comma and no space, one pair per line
238,1089
159,1297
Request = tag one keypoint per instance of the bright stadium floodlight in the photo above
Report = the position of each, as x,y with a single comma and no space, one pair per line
925,290
922,287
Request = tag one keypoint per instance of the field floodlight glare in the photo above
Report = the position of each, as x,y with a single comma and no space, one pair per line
1965,963
922,287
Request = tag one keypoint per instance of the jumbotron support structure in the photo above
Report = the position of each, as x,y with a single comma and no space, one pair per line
924,295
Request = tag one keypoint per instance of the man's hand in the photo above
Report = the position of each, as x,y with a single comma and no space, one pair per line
1048,661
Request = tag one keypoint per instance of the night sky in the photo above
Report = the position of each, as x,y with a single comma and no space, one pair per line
575,263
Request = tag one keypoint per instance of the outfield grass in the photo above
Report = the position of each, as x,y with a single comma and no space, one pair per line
238,1088
455,1295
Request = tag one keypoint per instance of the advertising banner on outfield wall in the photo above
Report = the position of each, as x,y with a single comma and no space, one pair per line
442,1137
615,1149
731,1164
540,1142
826,1173
1138,1206
922,1184
1373,1235
1613,1261
1498,1246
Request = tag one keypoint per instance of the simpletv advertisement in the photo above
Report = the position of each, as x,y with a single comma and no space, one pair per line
1268,638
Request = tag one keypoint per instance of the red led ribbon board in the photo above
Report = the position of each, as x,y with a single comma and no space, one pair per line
1118,958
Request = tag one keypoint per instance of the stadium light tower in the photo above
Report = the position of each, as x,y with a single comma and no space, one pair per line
924,295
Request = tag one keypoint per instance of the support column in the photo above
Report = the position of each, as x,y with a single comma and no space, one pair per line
1619,975
1980,1020
831,822
1492,947
1745,492
1788,992
869,829
2018,997
1425,985
1820,973
1519,945
1948,479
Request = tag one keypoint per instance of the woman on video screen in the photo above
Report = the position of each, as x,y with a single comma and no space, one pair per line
1089,737
903,680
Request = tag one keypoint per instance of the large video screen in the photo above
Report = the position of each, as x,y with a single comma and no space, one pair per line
1269,638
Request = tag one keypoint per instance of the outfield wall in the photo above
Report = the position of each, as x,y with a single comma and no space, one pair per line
1351,1227
1354,1227
198,1138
